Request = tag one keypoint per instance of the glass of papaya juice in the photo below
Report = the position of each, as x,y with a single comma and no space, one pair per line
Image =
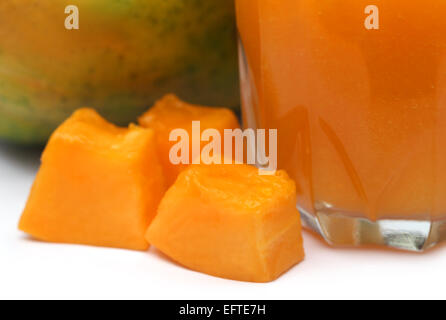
357,93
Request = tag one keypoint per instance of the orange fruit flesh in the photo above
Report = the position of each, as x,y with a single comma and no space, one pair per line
171,113
230,222
98,185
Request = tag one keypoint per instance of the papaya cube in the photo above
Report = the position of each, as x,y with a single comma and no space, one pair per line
97,185
229,221
171,113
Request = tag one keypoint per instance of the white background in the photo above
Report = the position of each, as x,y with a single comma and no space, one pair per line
31,269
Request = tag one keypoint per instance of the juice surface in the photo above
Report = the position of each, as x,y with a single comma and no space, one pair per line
360,113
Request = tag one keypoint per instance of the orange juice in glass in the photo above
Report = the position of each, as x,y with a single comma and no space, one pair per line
357,91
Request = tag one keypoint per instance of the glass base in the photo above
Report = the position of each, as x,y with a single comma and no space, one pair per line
409,235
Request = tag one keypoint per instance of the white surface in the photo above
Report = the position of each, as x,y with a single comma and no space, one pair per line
30,269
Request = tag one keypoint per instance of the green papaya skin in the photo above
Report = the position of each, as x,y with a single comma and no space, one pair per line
126,55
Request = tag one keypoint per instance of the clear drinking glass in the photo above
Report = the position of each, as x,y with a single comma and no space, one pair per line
358,95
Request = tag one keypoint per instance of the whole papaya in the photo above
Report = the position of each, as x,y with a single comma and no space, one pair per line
125,55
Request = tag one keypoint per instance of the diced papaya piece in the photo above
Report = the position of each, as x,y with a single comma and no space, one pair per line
98,185
171,113
231,222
